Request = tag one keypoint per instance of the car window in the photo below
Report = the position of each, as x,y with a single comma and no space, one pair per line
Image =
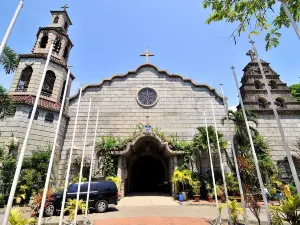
84,187
72,188
94,187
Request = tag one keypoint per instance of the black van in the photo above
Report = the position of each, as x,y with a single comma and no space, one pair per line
101,194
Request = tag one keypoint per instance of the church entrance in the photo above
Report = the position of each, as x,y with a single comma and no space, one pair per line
148,174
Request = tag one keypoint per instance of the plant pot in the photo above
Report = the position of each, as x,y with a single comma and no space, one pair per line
210,199
184,196
197,198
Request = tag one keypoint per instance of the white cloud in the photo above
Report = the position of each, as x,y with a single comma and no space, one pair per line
233,108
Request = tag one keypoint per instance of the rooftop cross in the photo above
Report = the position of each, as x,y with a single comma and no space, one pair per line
251,54
65,7
147,54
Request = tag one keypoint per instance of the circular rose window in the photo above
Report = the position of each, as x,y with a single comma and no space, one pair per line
147,97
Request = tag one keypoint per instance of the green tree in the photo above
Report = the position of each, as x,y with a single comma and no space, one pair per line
295,89
7,108
9,60
254,17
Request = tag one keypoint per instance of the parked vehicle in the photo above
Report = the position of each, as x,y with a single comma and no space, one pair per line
101,194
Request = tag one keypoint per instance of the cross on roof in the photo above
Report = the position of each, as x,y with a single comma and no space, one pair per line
147,54
65,7
251,54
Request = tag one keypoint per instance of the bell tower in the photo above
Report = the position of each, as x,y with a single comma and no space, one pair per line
27,79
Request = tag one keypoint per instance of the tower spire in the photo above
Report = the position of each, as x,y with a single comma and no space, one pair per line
65,7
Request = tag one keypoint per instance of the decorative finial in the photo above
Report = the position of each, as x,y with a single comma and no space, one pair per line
232,67
147,54
65,7
251,54
251,42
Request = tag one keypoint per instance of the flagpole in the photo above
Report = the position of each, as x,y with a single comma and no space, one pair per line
82,161
234,157
286,148
211,164
53,151
91,168
221,163
10,27
69,163
289,15
22,152
261,184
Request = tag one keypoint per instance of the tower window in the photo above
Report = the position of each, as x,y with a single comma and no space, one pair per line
36,116
257,84
25,78
66,26
57,45
273,84
56,19
280,102
66,53
49,82
49,117
263,103
62,91
44,41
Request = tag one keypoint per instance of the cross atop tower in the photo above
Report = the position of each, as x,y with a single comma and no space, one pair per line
147,54
251,54
65,7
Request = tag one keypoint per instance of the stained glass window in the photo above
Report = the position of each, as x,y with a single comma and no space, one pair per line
147,96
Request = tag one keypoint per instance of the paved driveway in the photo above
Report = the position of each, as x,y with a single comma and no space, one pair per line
146,200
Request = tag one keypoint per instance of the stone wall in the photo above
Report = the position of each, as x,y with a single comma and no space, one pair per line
179,110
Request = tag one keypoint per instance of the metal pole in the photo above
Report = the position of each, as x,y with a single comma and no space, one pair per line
91,168
22,152
289,15
234,157
221,163
286,148
53,151
261,184
10,27
69,163
82,161
211,164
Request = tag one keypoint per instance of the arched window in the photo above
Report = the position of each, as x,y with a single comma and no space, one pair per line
49,82
66,26
57,45
35,116
257,84
62,91
273,84
56,19
263,103
66,53
280,102
44,41
25,79
49,117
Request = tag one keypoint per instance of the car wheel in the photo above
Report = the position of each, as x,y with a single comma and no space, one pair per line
101,206
49,210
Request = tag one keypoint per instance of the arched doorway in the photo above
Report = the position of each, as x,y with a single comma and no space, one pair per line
148,174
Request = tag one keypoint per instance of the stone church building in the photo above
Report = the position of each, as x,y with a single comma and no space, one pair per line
147,94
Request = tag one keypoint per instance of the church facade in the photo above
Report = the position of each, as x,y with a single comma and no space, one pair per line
145,95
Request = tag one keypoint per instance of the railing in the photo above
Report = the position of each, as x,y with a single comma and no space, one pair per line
46,94
21,89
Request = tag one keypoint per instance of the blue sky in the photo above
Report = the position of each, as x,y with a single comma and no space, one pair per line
109,35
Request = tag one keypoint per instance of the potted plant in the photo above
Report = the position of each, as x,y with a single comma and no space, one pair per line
183,177
1,201
196,189
209,193
220,192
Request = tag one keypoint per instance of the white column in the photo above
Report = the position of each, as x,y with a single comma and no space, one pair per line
286,148
237,171
211,164
69,163
82,161
9,29
53,152
261,184
22,152
119,172
221,163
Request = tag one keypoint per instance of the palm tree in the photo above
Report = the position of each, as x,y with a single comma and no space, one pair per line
241,135
7,107
9,60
